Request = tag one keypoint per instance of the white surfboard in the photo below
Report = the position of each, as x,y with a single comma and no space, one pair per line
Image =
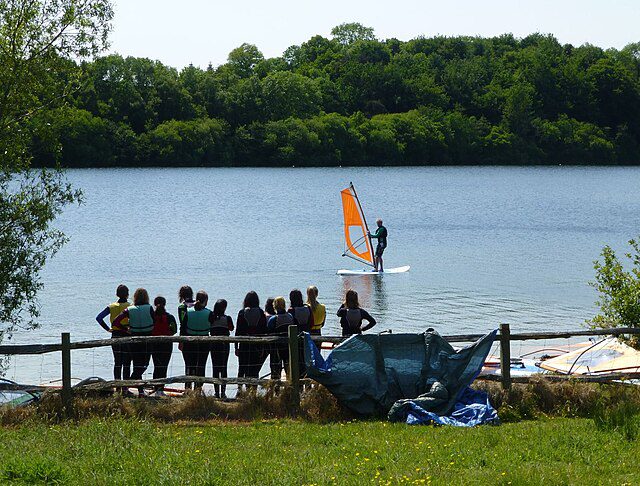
370,272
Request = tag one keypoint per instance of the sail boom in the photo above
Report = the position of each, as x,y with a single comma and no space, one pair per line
358,259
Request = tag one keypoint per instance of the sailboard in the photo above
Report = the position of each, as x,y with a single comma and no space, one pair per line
357,241
606,356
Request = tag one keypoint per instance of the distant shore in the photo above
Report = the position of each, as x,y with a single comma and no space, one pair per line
354,100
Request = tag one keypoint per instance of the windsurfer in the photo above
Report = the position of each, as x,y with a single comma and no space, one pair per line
381,236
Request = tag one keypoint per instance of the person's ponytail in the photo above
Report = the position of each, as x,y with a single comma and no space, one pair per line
201,300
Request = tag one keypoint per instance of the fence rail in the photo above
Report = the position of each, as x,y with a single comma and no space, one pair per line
504,337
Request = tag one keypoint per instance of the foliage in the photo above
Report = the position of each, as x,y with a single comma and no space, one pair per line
40,42
350,32
618,288
195,142
427,101
28,205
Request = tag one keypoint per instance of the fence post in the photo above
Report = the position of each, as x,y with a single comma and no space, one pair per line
294,367
505,356
67,397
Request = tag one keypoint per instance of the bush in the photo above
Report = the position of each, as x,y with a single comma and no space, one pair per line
619,289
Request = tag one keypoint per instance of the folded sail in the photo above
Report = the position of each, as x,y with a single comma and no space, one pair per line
606,356
357,242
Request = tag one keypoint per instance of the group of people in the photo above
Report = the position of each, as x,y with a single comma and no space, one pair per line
140,318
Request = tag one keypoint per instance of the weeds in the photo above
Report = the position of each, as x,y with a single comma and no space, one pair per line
541,397
522,402
623,418
317,405
35,472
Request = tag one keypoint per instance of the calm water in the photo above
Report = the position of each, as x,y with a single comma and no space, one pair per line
485,245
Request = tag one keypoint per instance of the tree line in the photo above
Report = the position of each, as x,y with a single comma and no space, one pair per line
353,99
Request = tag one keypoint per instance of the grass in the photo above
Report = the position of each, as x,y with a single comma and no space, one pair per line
128,451
582,434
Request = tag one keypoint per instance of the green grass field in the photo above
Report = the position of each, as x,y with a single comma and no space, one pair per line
98,451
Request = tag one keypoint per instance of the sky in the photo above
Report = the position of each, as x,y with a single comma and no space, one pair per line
199,32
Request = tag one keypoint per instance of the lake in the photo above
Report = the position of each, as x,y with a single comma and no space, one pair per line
486,245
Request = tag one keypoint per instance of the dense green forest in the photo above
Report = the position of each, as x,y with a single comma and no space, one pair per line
355,100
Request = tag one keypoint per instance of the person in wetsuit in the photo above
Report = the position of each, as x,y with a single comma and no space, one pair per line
351,315
197,322
381,236
141,319
251,322
278,325
318,310
121,356
164,324
185,297
275,365
222,325
303,314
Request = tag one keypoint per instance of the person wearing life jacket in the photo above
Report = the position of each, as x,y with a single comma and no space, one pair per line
381,236
318,310
251,322
185,297
221,326
351,315
301,311
141,318
278,325
197,322
164,324
274,363
121,356
303,314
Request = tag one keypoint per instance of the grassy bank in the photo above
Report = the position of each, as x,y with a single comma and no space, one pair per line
96,451
539,398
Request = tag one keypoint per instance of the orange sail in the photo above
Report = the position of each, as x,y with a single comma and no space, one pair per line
357,241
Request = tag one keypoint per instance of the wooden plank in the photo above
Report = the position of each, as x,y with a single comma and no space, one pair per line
24,349
505,356
35,349
612,378
527,336
103,385
26,388
181,339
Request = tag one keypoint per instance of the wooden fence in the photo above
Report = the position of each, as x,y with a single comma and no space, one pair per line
505,338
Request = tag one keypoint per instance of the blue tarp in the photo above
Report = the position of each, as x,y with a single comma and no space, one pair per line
407,374
471,409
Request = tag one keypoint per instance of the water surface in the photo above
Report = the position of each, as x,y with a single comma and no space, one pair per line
485,244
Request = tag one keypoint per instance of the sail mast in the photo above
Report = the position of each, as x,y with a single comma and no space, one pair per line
364,219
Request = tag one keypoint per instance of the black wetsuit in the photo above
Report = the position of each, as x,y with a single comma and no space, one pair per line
304,316
251,322
278,325
351,320
220,351
381,235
